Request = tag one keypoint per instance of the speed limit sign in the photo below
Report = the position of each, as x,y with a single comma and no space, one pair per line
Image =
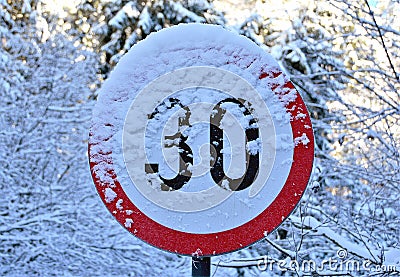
200,144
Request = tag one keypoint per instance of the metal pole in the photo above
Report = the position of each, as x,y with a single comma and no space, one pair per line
201,266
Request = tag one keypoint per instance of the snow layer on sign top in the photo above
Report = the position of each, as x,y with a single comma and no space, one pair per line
189,45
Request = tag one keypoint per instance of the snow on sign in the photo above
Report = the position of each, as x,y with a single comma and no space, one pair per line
200,145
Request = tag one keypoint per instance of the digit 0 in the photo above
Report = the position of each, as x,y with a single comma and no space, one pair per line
217,144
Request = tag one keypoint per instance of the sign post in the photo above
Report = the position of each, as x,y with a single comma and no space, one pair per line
201,266
201,146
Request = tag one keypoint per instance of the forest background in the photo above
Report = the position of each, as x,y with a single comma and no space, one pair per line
343,56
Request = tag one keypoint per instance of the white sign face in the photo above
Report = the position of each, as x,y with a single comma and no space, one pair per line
170,125
200,144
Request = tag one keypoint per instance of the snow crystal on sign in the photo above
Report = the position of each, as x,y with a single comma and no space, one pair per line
288,95
225,184
197,253
171,142
303,140
110,195
254,146
301,116
118,205
128,222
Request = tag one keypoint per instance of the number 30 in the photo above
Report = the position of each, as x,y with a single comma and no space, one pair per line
216,146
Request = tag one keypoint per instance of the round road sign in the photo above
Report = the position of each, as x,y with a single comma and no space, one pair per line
200,144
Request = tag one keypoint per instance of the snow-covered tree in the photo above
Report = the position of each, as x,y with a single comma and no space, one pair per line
44,88
112,27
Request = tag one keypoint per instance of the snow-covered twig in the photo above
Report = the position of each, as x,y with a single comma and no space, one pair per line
382,40
344,243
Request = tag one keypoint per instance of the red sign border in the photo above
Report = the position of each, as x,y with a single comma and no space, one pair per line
145,228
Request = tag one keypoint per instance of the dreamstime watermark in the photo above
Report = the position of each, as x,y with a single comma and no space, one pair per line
340,263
